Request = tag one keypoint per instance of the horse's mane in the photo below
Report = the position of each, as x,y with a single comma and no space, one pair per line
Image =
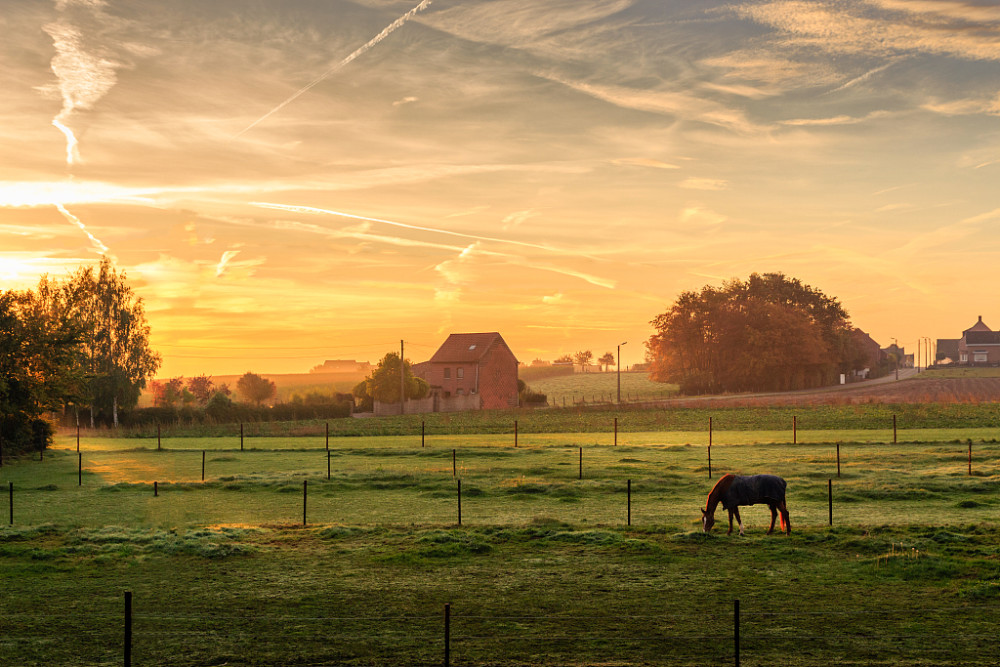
715,495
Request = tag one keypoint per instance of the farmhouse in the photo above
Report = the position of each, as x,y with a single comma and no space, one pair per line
978,346
470,371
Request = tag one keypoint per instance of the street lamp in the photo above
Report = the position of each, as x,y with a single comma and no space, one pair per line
895,344
619,368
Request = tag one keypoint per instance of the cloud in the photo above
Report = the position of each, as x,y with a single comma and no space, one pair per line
694,183
699,215
553,299
966,107
517,218
644,162
405,100
227,256
835,120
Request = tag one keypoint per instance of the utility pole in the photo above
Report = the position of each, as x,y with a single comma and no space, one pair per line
402,381
619,365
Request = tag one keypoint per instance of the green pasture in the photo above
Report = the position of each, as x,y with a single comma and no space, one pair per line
601,387
945,372
544,569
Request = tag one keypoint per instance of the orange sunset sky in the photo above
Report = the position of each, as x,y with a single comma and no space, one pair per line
288,182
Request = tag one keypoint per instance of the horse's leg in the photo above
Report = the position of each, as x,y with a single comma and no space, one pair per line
730,523
774,515
786,522
736,511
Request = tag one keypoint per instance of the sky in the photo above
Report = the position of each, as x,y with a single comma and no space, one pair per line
289,182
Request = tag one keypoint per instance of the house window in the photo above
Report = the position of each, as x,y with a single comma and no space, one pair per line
447,374
980,356
460,373
964,358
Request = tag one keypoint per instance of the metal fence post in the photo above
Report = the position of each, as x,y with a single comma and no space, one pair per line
128,629
736,631
447,634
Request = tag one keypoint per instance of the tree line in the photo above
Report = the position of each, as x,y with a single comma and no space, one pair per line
767,333
81,344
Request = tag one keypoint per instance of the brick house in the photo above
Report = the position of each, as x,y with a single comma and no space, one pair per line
471,371
979,345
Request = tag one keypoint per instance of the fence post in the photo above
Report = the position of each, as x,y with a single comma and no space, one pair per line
970,458
736,631
421,434
156,491
447,634
11,503
515,433
328,465
616,431
838,460
454,464
628,501
829,493
710,459
795,430
305,497
581,463
78,435
460,502
128,629
203,465
894,429
327,436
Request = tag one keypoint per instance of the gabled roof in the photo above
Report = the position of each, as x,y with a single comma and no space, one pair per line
982,338
466,347
978,326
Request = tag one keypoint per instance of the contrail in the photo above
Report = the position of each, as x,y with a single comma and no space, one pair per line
360,51
104,250
864,77
339,214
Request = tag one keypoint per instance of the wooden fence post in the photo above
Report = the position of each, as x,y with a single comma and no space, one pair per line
829,493
628,491
736,631
970,458
421,434
241,436
328,466
128,629
305,497
460,502
203,465
156,491
447,634
581,463
795,430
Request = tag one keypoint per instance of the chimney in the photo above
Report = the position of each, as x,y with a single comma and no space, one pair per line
980,319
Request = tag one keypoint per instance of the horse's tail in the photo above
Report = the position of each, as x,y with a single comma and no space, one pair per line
786,521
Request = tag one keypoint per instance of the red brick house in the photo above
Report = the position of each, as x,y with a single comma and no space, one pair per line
471,371
979,345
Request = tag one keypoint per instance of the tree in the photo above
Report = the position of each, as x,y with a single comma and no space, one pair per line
564,359
115,353
382,384
768,333
583,357
255,389
201,388
38,371
167,392
608,359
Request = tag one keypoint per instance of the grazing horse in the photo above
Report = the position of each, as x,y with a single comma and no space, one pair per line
735,490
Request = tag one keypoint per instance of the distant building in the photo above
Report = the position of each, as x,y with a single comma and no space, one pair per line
343,366
978,346
873,354
470,371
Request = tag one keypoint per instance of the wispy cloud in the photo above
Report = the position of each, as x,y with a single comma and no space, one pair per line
517,218
695,183
227,256
388,30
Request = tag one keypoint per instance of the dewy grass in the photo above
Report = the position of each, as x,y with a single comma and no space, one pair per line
543,570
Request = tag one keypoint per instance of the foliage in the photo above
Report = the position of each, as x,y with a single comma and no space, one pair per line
115,352
255,389
38,373
607,359
382,384
770,333
166,393
583,357
202,388
564,359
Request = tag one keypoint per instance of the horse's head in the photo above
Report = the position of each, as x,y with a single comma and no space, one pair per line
707,520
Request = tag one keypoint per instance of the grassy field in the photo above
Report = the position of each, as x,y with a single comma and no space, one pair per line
545,568
945,372
567,390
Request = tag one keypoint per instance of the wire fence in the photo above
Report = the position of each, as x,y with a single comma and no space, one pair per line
717,632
